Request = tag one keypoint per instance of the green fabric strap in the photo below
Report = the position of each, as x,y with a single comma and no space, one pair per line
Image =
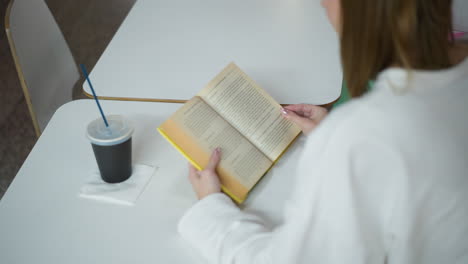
345,93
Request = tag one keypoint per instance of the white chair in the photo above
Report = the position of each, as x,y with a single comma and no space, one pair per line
45,65
460,15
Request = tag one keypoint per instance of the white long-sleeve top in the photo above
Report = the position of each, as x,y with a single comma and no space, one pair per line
384,179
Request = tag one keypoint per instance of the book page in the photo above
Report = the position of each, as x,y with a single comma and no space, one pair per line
247,107
198,130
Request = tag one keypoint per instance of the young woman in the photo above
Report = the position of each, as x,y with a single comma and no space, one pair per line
384,177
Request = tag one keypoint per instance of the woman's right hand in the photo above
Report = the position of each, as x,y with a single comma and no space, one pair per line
306,116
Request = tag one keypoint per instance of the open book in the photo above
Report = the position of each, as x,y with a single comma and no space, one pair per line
232,112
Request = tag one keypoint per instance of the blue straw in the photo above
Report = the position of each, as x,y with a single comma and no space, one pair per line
85,73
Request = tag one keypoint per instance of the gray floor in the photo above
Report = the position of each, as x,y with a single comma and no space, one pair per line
88,26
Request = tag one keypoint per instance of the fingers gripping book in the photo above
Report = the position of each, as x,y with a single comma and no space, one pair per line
232,112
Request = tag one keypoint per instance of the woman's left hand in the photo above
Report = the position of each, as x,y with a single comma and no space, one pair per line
206,182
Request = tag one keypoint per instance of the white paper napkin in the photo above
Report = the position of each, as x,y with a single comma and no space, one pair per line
125,193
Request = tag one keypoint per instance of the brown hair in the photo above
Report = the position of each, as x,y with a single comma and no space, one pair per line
375,34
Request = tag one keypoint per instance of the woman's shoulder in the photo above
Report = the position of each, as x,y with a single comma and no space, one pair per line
356,117
404,122
347,127
377,116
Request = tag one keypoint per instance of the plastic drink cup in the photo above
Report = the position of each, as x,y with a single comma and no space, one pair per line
112,147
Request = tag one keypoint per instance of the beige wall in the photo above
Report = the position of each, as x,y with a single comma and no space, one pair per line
460,10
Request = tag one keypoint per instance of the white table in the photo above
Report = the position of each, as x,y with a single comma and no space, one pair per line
169,50
42,219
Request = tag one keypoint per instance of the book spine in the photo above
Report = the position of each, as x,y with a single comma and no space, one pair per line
235,198
198,167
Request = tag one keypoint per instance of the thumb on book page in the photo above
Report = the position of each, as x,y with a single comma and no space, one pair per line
214,159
